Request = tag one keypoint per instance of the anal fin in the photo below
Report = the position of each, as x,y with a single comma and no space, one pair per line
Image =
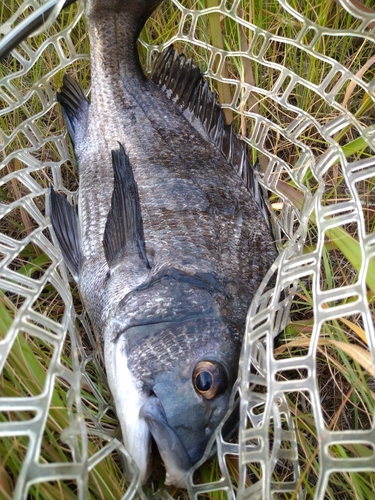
74,104
123,235
65,225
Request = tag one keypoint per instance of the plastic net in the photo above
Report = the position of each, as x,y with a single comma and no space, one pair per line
298,81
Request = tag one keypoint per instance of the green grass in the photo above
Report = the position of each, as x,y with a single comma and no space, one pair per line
344,380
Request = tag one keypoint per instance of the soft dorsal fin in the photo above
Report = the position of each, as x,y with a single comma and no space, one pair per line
183,83
123,235
65,225
74,104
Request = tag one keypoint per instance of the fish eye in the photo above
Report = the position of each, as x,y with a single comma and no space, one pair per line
209,379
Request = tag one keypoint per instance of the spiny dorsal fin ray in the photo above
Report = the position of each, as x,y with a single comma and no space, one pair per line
176,75
123,235
74,104
183,83
65,225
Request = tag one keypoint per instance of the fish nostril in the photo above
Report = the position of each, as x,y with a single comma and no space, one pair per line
148,391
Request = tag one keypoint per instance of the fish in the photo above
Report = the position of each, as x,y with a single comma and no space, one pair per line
170,240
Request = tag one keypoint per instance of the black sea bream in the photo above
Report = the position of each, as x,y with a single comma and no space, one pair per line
170,242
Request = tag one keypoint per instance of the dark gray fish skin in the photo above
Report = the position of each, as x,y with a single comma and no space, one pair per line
168,261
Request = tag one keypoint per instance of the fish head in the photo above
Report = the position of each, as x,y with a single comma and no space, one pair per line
173,362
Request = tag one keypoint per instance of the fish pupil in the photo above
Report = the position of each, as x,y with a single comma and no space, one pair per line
204,381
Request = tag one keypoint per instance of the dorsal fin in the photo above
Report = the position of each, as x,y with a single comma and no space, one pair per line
123,234
176,76
183,83
74,104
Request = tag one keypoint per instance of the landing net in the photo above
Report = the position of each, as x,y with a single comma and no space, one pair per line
300,87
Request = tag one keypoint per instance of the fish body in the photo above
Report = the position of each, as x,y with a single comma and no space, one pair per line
169,245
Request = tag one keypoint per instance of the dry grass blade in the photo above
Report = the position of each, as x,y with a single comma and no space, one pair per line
356,329
359,74
357,353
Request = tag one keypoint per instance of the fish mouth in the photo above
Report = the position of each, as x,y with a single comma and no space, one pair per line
172,451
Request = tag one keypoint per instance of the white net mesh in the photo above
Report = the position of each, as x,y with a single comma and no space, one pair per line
301,93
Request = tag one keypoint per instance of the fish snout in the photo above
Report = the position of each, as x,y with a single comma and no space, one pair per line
171,449
183,412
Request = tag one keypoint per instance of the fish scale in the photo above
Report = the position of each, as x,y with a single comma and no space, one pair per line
167,257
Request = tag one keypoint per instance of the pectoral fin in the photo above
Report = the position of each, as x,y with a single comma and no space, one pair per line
65,225
123,235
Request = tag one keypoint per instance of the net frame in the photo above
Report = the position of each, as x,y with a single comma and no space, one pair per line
266,423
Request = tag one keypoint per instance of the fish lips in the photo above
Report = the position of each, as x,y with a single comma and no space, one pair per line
171,449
